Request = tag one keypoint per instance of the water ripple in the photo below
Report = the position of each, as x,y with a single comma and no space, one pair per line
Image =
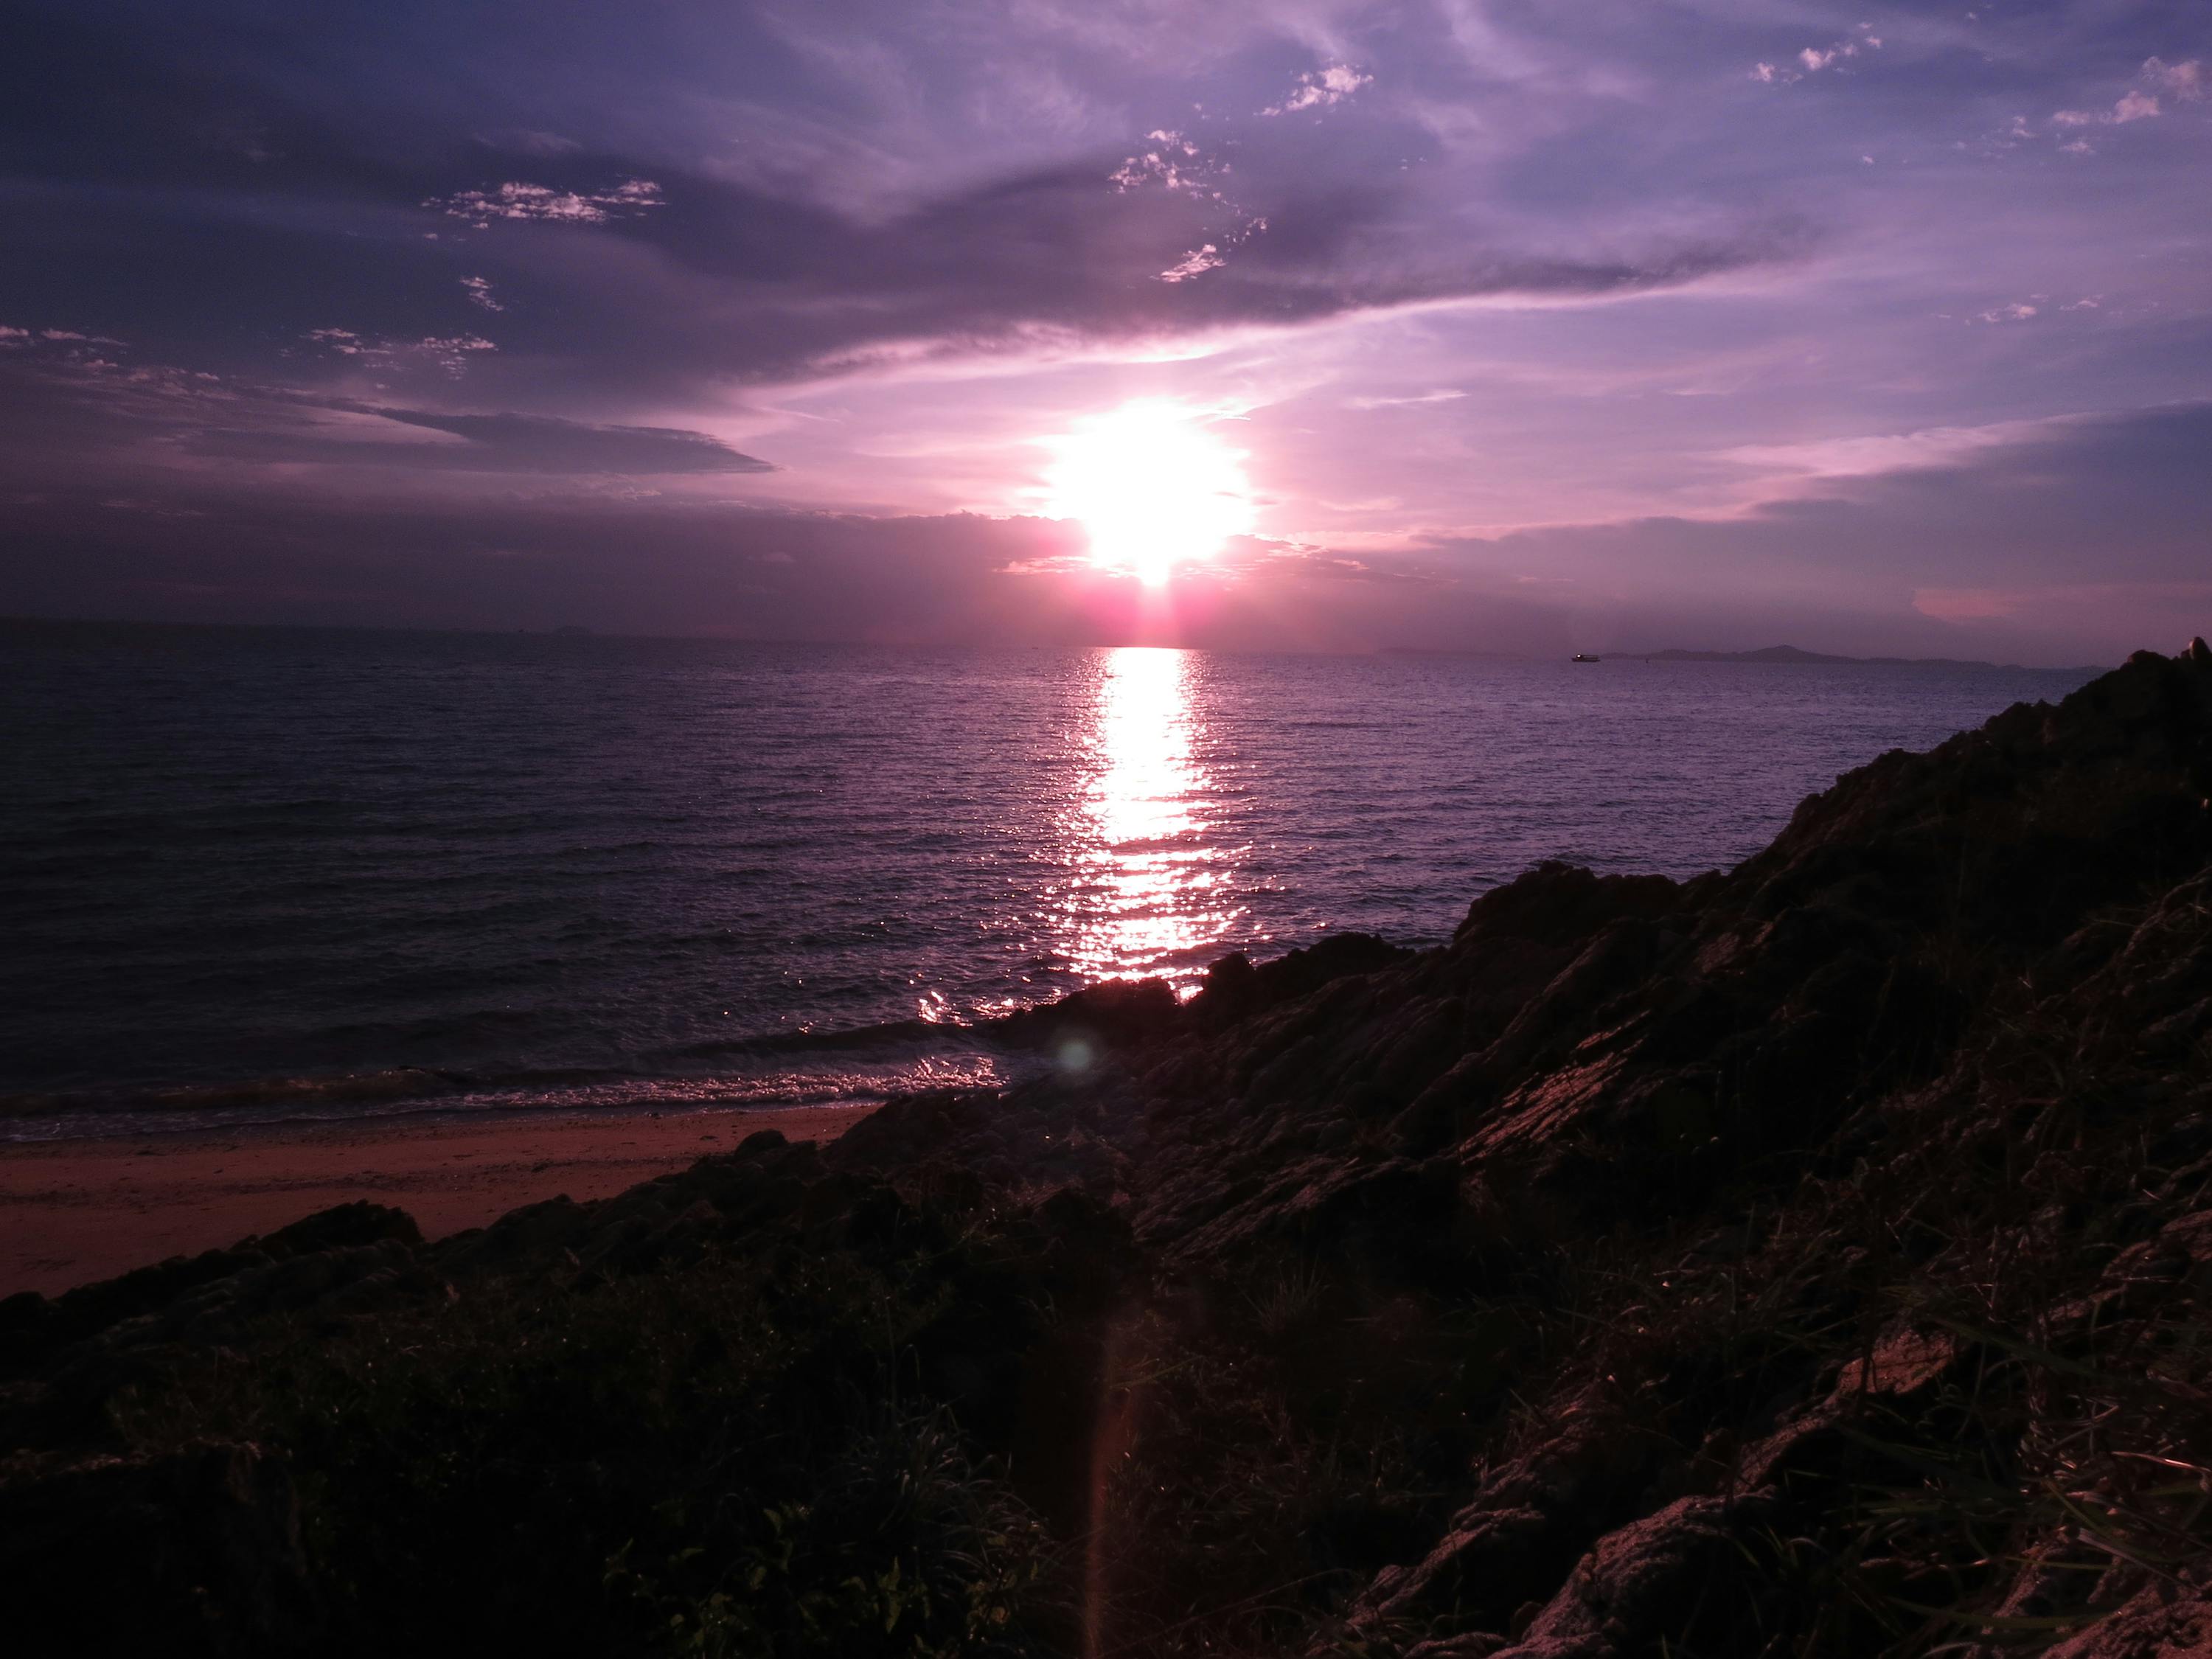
239,854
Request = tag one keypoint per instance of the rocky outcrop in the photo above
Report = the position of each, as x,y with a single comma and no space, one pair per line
1598,1045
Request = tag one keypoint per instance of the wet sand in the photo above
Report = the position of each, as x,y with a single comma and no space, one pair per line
74,1211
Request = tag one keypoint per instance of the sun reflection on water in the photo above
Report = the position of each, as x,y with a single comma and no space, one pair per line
1150,892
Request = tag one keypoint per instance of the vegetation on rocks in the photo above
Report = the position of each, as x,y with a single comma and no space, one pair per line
1810,1259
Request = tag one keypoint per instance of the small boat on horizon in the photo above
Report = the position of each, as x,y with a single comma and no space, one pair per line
1582,657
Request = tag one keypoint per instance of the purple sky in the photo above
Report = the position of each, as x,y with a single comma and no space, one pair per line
1537,326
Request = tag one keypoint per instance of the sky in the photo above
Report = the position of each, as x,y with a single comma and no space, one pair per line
1523,327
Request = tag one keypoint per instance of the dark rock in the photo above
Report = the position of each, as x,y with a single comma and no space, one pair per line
1119,1012
1663,1576
1528,1522
1235,989
2163,1620
538,1236
341,1226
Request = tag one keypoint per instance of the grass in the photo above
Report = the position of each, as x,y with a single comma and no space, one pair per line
724,1459
773,1451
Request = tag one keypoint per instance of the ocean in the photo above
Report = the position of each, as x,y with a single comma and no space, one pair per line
258,874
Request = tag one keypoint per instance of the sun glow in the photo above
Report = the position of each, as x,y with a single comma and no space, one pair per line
1152,486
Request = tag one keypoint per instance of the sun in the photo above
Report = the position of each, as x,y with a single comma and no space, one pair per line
1153,487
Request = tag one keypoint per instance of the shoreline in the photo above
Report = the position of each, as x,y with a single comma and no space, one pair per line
74,1211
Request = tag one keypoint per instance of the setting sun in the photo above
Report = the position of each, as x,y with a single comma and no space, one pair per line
1152,486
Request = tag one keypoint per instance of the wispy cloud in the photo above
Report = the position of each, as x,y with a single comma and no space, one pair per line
1814,59
1173,161
480,293
542,443
1195,264
2184,82
1440,397
2136,106
528,141
1319,88
543,201
450,352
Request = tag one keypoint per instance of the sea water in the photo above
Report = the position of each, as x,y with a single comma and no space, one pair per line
252,874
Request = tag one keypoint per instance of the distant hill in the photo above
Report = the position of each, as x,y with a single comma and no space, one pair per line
1782,653
1792,654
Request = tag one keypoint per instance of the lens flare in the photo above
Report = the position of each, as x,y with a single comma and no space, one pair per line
1152,486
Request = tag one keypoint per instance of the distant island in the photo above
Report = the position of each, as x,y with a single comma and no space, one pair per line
1792,654
1782,654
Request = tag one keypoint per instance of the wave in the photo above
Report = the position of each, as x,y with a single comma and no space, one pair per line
397,1082
834,1041
867,1065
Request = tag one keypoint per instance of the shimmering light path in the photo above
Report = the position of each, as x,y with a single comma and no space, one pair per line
1151,888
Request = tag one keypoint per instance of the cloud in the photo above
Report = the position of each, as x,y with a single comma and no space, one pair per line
2063,541
1197,263
351,434
747,251
344,341
1439,397
1174,163
1319,88
2184,82
146,428
528,141
541,443
2136,106
450,352
73,342
543,201
1058,263
1812,59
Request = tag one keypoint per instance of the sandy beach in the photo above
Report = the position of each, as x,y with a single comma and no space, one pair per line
76,1211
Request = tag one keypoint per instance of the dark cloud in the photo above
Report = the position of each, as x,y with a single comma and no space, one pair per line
69,410
2120,498
1059,254
2063,536
240,207
496,443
